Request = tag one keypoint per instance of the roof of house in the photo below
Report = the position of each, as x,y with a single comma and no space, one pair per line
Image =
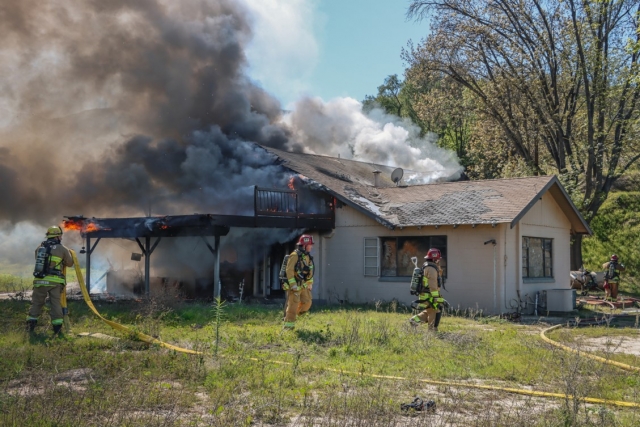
443,203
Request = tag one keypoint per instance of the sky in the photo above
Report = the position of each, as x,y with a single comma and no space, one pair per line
328,48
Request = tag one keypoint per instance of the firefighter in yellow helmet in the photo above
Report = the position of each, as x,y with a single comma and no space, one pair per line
49,279
299,282
429,300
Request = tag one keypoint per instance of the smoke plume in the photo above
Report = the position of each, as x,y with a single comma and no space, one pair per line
126,108
340,128
133,108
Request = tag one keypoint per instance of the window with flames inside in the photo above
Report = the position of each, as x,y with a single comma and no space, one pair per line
391,256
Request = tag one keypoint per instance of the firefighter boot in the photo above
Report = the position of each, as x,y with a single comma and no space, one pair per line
31,325
56,329
414,322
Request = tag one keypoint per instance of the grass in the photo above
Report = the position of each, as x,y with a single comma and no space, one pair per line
12,283
264,376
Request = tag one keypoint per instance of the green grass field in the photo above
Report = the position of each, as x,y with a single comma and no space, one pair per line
321,374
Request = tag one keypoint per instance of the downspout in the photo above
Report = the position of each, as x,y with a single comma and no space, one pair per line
323,258
495,293
504,284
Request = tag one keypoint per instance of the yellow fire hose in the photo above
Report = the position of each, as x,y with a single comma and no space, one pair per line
63,303
585,354
525,392
142,337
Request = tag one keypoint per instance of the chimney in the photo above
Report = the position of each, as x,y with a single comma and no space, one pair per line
376,179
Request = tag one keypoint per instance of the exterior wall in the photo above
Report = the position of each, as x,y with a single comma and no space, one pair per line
471,283
469,262
545,219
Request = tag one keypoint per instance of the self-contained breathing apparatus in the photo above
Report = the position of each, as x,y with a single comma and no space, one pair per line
417,285
43,260
416,278
611,272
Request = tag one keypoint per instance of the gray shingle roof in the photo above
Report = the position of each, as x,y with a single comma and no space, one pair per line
446,203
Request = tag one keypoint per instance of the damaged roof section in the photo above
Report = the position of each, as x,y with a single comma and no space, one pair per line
445,203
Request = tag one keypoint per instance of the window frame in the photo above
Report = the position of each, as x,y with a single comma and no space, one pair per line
376,257
421,260
526,259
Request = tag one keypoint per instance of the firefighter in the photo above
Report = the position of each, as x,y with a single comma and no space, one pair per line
299,282
49,279
430,301
612,277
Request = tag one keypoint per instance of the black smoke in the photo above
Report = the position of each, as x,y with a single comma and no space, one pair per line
118,108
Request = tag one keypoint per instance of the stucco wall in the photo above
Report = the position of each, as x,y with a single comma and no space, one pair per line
470,262
546,220
470,282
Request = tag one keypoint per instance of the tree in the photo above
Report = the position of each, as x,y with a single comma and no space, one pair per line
440,106
558,78
388,98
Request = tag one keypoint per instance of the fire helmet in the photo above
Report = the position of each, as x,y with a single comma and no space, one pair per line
305,240
54,231
614,257
433,254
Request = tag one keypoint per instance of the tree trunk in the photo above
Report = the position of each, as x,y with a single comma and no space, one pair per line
576,252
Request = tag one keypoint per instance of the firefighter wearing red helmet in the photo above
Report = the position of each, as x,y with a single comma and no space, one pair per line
612,277
51,258
299,282
429,300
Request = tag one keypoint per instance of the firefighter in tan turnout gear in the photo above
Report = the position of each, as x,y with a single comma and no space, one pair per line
299,273
429,299
51,258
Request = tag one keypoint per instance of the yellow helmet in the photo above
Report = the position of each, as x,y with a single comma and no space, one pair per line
54,231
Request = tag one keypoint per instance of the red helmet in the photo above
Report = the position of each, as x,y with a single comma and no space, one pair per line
305,240
433,254
614,257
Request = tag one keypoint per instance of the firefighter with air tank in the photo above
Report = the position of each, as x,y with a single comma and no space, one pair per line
612,271
299,281
49,279
426,284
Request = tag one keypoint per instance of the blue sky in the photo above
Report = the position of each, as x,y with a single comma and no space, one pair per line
328,48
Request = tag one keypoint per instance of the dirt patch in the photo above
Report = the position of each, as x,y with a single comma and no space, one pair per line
617,344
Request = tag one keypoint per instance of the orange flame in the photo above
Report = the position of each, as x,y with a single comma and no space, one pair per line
291,180
82,226
71,225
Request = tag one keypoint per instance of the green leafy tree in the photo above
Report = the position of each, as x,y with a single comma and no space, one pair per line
559,80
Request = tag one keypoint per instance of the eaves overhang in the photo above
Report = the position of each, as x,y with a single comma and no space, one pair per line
559,194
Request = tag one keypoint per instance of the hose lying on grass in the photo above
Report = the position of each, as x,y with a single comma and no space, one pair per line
585,354
525,392
142,337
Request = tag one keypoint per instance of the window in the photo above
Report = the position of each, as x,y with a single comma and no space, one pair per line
537,259
371,256
397,252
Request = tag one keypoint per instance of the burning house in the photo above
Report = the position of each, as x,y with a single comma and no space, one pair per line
143,115
503,241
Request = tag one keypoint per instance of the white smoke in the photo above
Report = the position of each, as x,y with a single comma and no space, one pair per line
340,128
284,50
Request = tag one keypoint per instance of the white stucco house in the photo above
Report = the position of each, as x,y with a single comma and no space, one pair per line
502,240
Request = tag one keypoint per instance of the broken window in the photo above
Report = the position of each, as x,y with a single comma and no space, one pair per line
537,257
396,254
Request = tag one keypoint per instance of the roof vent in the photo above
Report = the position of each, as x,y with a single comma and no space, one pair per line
376,178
